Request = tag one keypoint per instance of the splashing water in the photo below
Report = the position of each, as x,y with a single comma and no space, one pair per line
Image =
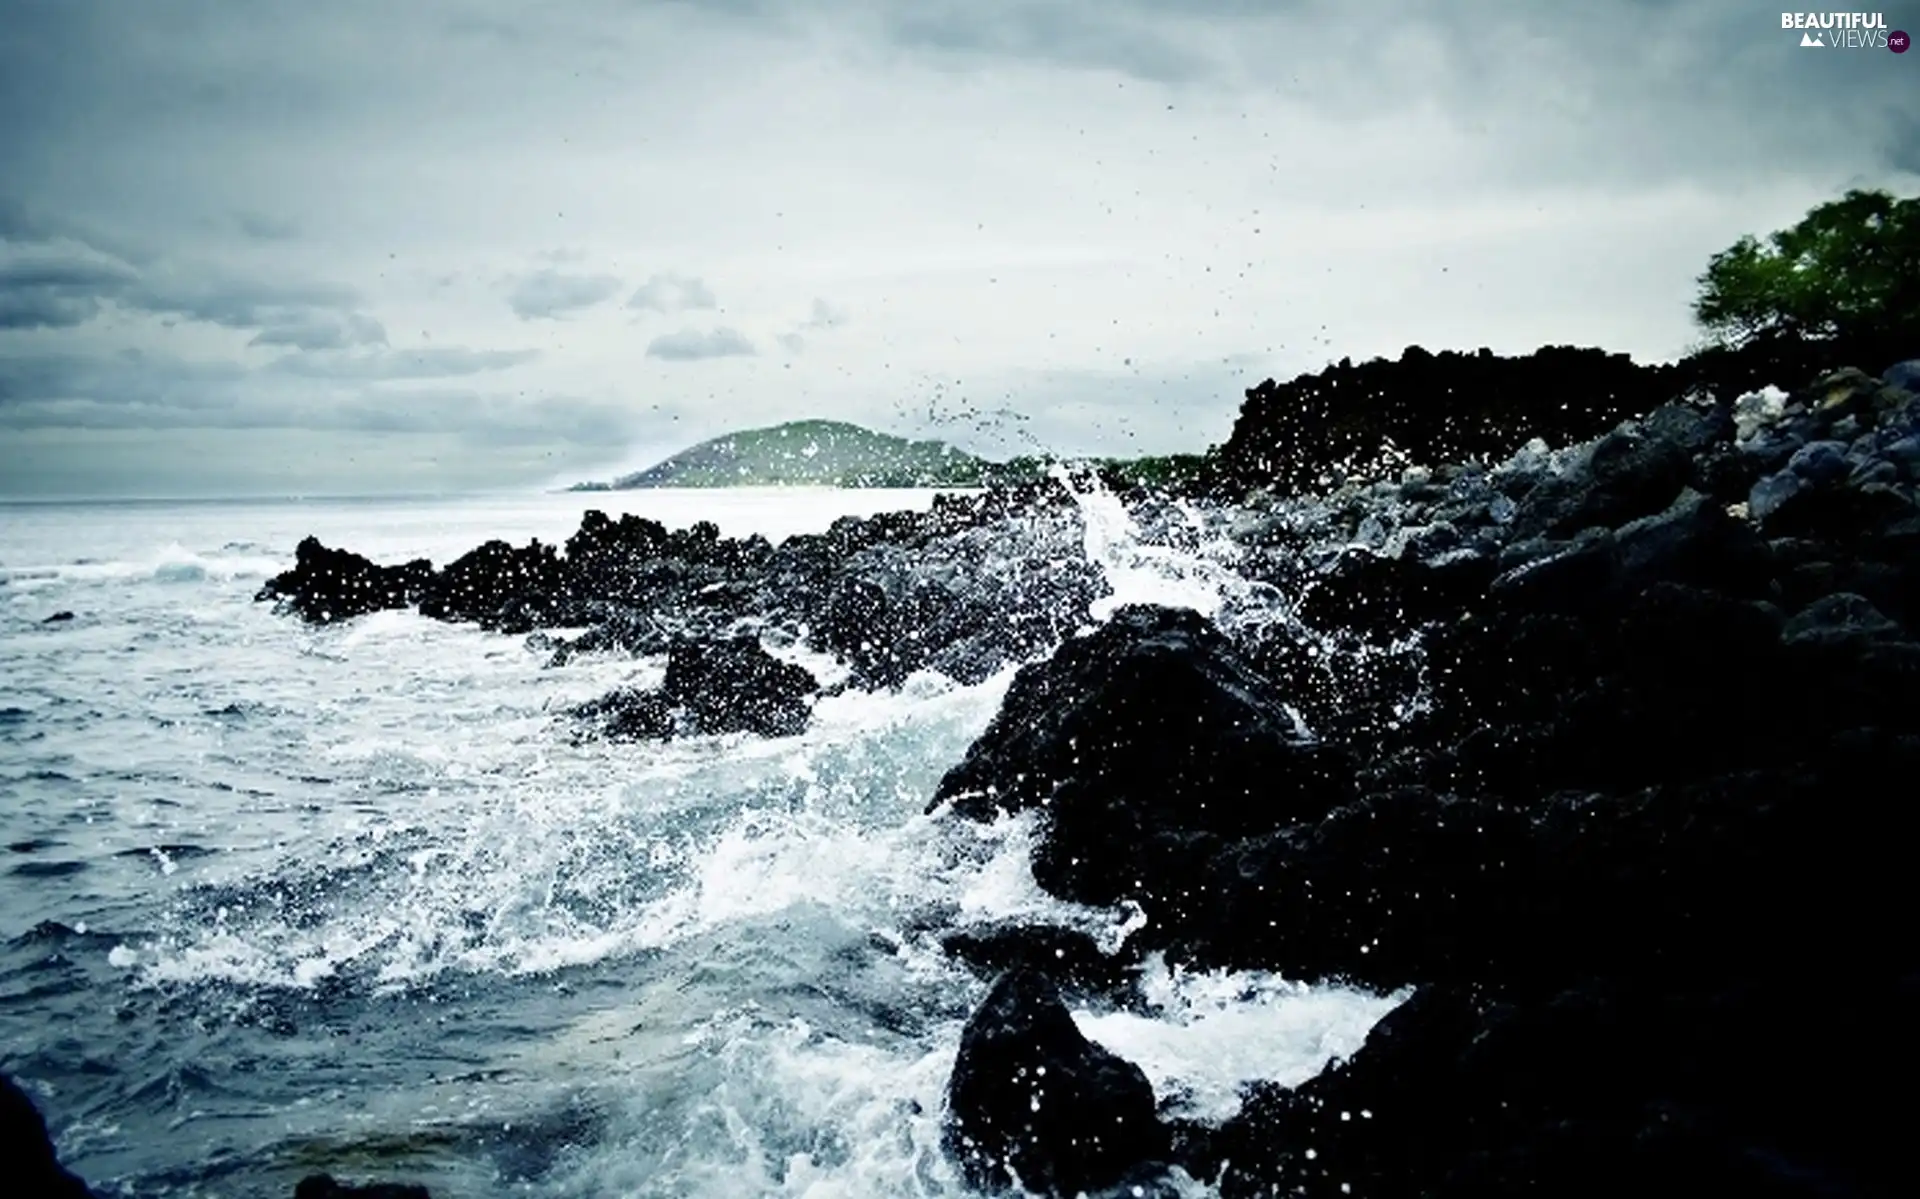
1189,566
281,899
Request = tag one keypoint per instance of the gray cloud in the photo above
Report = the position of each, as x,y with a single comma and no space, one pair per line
825,316
237,303
440,362
1021,193
17,223
672,293
161,391
1903,142
50,387
51,280
1101,36
691,345
324,333
549,294
261,227
56,285
822,317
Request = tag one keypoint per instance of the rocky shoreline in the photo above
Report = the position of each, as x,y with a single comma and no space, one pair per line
1597,751
1647,800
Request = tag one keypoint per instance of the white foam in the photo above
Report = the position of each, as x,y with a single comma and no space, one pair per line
1198,575
758,1106
1213,1033
170,563
1756,410
455,832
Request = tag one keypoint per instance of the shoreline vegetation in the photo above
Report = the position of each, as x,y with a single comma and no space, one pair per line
1583,720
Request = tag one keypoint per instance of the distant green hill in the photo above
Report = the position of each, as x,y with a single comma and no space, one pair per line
812,453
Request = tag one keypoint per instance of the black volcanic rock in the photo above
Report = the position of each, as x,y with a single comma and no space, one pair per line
329,585
1069,958
712,687
510,588
1146,742
732,686
1354,419
1446,407
1032,1100
325,1186
1627,474
964,588
1591,1092
32,1168
1651,766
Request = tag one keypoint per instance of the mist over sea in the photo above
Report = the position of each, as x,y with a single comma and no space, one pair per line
277,899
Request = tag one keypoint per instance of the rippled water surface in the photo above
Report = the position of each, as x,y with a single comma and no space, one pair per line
276,899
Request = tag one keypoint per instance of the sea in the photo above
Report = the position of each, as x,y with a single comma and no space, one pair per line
278,900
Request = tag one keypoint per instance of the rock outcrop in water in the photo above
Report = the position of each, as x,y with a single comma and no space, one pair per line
32,1167
1032,1102
712,687
33,1170
965,589
328,585
1149,744
1601,751
1665,685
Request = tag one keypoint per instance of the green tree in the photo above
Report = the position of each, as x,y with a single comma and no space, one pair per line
1849,269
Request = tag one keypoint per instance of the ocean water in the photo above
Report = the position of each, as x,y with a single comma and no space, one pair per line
276,900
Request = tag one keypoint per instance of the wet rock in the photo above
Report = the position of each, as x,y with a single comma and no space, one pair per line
1840,619
1794,507
1650,768
965,602
1383,597
1820,462
711,688
1694,542
329,585
1774,493
965,588
1069,958
1433,408
1668,883
1144,741
629,714
1033,1103
736,686
27,1150
1629,473
58,618
617,627
1577,575
1597,1090
513,589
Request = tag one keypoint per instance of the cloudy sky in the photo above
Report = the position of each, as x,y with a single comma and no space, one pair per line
293,246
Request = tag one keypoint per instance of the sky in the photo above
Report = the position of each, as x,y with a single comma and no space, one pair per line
354,247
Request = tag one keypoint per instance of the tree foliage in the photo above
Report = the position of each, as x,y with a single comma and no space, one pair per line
1850,268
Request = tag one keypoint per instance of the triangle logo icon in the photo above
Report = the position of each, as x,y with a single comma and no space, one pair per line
1811,39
